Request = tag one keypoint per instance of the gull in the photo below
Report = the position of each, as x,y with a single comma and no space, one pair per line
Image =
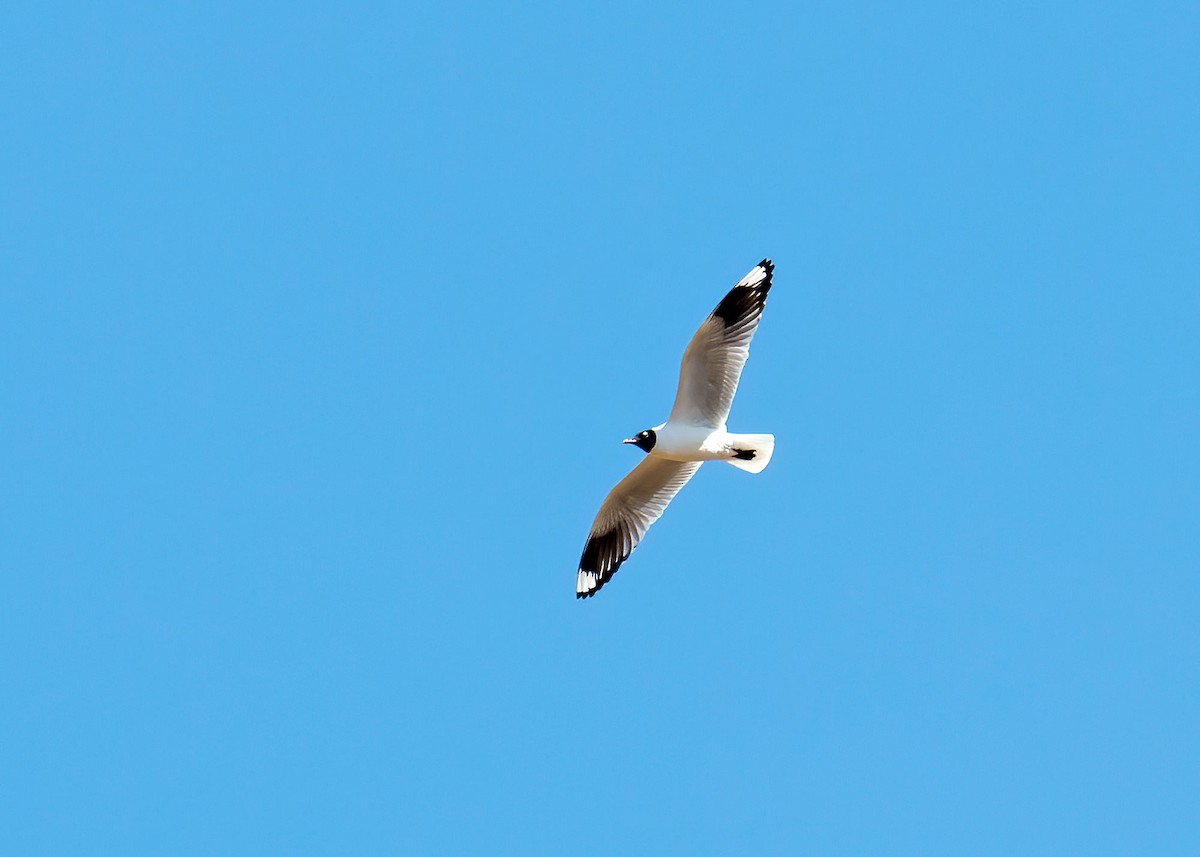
693,433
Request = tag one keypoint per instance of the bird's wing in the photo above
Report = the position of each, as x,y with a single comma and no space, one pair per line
625,515
713,361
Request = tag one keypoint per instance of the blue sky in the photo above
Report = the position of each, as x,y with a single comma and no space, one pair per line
320,329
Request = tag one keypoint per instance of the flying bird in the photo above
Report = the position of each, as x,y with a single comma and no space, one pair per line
693,433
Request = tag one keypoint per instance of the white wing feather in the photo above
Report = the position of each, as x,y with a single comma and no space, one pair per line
626,514
713,361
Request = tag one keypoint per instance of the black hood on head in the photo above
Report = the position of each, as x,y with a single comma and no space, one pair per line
644,440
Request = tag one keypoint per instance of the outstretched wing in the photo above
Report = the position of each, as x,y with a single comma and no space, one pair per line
712,364
626,513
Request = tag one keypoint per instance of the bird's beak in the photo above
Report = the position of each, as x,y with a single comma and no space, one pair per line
629,440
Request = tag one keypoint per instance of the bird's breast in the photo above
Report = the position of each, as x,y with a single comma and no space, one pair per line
690,443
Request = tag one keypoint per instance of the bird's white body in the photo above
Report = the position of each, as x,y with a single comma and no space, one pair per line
683,442
691,443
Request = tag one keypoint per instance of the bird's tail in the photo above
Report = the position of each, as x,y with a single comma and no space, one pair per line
752,452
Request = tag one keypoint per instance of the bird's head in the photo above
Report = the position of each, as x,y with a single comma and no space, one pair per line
643,440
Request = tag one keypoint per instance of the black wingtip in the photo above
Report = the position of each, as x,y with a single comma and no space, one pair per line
744,301
603,555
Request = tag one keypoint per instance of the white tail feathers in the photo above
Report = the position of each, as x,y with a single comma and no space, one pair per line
755,451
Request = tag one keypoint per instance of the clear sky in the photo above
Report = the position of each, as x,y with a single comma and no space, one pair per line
320,328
